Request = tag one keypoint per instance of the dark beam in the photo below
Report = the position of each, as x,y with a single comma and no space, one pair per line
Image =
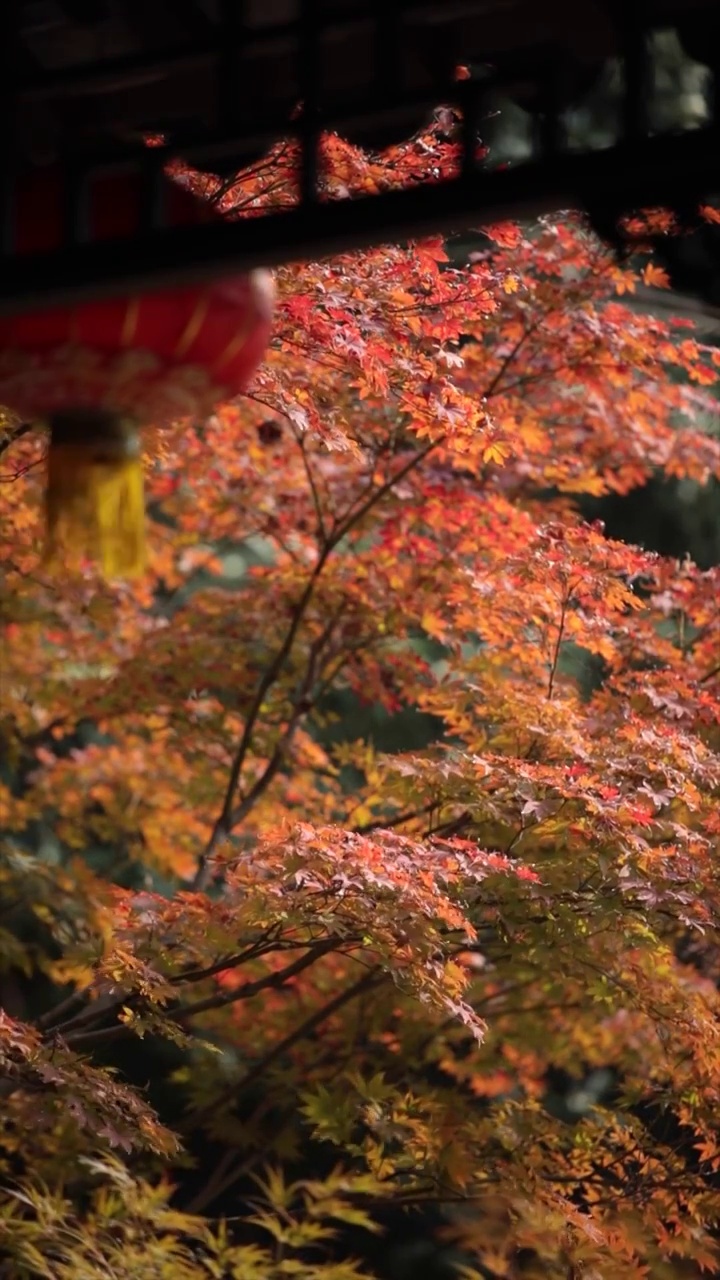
654,172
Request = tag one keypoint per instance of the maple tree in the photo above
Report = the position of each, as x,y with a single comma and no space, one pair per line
363,968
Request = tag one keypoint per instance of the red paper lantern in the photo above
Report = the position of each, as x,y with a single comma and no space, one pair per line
97,371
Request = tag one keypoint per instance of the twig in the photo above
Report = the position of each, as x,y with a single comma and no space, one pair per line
371,978
386,824
353,517
311,483
81,1039
230,814
57,1013
269,983
556,651
23,429
224,824
450,828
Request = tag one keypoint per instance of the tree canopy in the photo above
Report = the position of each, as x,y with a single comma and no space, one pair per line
265,982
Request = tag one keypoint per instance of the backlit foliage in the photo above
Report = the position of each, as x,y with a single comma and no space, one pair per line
368,967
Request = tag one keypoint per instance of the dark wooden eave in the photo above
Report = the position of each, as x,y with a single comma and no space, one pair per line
83,80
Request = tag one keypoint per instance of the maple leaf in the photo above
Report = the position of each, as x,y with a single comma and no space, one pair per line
655,277
506,234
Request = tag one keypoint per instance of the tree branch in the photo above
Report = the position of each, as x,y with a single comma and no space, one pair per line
18,432
371,978
180,1014
556,651
229,814
386,824
269,983
225,821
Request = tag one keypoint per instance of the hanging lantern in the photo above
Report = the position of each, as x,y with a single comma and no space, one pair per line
97,371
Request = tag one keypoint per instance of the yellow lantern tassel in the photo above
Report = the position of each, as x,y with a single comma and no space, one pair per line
95,507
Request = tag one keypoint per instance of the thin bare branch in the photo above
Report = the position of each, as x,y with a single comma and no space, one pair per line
16,434
387,824
230,814
369,980
270,982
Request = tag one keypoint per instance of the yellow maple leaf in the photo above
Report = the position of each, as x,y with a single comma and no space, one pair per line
496,452
655,276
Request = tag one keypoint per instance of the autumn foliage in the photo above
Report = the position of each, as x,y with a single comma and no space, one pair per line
359,971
